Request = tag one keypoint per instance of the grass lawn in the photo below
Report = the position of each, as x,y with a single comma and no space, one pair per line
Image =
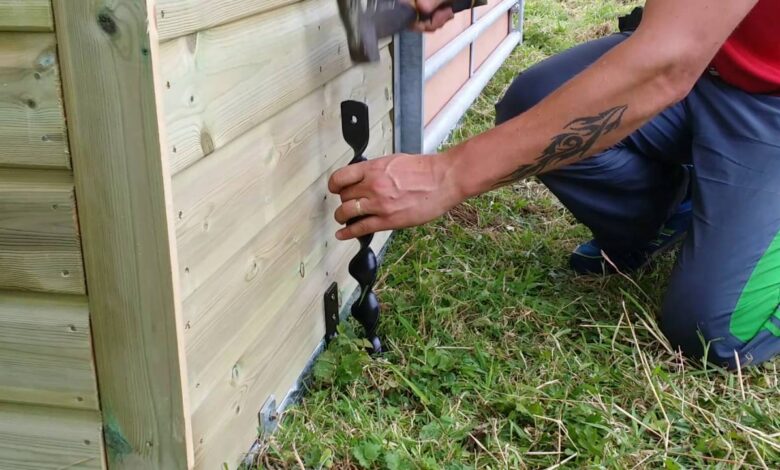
499,357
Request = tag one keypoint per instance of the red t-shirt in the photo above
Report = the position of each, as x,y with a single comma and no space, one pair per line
750,58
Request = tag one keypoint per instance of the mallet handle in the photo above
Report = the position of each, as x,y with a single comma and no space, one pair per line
458,6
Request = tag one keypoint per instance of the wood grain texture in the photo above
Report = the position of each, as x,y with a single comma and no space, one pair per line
37,437
225,417
40,248
257,378
122,185
225,81
252,291
177,18
224,200
32,123
224,430
46,351
26,15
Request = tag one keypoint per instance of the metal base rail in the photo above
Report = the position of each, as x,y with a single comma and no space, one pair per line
440,127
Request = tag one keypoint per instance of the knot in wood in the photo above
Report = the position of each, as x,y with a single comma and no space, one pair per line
45,61
107,23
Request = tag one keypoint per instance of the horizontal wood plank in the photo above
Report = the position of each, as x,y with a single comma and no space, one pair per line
223,82
40,248
224,200
26,15
35,438
235,403
32,121
45,351
252,291
176,18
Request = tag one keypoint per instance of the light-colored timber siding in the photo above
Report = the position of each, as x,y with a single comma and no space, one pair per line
40,249
222,82
32,123
45,351
252,93
49,410
42,438
176,18
297,258
26,15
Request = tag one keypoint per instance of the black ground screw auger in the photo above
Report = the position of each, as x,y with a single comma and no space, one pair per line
363,267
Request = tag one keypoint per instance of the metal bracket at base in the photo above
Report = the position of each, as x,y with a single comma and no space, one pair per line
268,417
332,309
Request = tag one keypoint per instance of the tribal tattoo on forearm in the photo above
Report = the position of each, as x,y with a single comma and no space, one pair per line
580,136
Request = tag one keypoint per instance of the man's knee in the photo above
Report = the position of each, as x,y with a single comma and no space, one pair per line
529,88
696,324
537,82
521,96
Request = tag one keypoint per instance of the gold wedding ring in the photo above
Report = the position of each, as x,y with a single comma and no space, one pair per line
358,208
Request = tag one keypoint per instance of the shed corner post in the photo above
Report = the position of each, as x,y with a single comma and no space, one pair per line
108,53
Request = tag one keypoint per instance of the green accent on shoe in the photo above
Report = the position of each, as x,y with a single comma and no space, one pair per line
760,298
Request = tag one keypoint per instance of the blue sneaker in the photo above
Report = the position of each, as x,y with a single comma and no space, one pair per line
587,258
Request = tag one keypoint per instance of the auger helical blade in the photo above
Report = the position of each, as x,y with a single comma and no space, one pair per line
363,267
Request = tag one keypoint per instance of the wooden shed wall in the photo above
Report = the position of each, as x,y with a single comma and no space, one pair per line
251,94
49,414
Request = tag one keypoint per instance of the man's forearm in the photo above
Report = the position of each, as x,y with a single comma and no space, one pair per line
592,112
575,142
629,85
